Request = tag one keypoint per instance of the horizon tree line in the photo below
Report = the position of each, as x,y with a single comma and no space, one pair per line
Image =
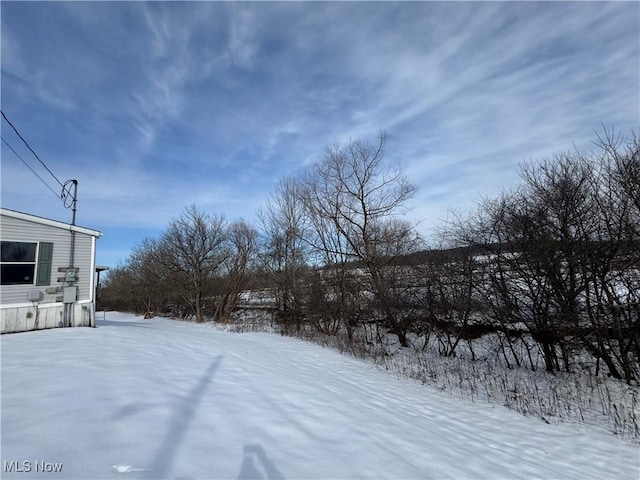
550,267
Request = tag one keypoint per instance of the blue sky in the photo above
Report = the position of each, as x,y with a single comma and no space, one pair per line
156,106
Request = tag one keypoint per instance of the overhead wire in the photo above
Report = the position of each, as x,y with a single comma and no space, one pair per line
29,167
31,149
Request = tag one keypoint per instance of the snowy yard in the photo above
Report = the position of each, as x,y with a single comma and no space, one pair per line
162,399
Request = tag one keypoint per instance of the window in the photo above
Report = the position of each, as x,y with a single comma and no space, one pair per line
18,262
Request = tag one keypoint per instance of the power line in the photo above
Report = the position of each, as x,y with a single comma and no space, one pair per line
29,167
31,149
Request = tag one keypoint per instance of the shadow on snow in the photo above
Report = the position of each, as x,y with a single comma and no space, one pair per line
257,466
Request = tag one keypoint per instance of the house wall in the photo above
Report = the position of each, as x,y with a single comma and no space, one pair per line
17,312
20,230
43,315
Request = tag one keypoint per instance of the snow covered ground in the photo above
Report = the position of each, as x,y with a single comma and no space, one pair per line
162,399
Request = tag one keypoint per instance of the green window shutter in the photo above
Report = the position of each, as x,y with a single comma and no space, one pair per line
44,263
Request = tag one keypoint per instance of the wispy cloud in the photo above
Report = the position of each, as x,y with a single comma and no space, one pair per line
154,106
242,46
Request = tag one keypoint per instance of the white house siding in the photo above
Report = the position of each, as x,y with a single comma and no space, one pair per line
17,313
23,231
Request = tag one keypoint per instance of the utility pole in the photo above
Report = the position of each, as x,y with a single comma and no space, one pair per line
70,294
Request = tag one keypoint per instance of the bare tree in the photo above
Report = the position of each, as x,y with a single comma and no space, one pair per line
153,285
242,247
449,286
354,201
612,299
116,291
285,251
333,298
142,285
195,247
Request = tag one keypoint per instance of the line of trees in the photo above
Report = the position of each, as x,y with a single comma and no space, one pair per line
562,258
550,269
196,268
